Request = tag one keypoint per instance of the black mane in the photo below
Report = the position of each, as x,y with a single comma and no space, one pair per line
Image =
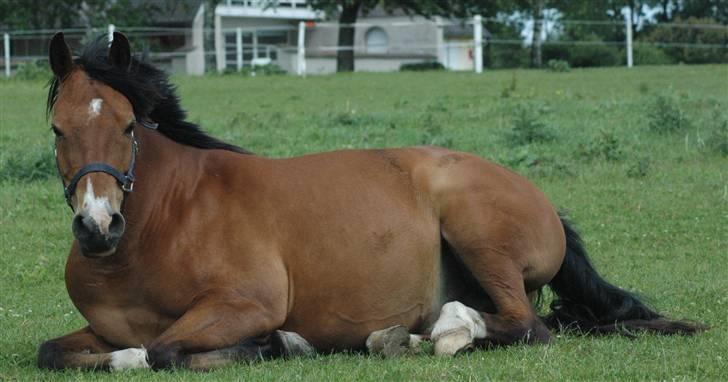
148,90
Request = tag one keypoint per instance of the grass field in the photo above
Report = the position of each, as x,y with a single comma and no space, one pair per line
652,207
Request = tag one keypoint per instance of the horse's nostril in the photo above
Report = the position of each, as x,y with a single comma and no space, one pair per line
116,227
81,228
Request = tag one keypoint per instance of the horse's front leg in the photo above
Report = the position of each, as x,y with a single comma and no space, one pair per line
82,349
211,332
278,344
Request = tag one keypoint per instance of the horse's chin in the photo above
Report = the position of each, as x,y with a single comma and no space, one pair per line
97,254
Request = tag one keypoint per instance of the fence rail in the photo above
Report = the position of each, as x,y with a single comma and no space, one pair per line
310,47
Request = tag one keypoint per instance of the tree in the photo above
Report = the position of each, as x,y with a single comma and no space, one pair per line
38,14
55,14
685,9
606,10
538,8
348,11
534,10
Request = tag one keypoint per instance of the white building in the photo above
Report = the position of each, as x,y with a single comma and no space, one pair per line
249,32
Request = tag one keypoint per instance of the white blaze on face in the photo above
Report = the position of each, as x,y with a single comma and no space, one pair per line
94,108
131,358
96,208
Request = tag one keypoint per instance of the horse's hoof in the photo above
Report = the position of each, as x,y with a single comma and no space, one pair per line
390,342
291,344
454,342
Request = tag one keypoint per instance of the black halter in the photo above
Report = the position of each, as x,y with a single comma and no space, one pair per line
126,180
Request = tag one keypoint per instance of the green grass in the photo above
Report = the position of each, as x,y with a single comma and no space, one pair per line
661,230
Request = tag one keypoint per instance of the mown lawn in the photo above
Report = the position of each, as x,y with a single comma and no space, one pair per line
652,207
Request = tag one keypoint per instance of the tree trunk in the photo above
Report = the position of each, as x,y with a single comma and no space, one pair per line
665,15
345,53
537,31
635,11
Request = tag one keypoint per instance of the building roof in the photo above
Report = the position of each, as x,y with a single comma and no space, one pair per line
459,30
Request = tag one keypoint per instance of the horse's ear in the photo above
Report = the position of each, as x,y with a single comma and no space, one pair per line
59,55
120,52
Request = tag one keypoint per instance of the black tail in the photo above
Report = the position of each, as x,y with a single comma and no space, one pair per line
588,303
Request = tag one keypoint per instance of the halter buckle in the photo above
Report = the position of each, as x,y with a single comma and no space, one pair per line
128,186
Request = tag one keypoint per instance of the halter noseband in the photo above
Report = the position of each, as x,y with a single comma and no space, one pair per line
126,180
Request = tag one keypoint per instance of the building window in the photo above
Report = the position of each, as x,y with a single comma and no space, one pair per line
377,40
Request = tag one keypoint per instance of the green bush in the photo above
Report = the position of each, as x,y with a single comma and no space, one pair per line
596,54
644,54
433,133
639,168
643,88
666,116
718,138
528,126
683,37
520,158
35,163
268,70
421,66
511,88
605,146
527,160
258,70
558,66
506,56
33,71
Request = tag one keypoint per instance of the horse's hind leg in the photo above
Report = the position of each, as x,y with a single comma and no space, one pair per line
495,261
456,329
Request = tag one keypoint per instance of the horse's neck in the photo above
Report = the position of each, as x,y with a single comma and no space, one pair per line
163,168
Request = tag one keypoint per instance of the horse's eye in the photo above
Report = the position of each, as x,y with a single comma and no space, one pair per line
57,132
129,129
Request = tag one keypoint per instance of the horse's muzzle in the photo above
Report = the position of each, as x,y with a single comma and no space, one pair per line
94,242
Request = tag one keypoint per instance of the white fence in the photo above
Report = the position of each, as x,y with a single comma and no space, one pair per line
380,44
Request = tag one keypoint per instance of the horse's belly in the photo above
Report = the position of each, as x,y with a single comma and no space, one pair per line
341,325
338,306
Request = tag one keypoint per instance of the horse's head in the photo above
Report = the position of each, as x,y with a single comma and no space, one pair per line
95,146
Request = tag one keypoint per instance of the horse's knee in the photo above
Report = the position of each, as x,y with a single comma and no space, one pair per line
165,357
50,355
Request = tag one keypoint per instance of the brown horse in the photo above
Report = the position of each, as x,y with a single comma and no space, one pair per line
191,252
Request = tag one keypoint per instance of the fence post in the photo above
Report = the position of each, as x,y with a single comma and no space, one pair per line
301,67
112,28
239,47
6,44
628,26
478,42
255,44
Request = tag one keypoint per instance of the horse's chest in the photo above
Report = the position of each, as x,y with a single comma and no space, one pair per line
118,307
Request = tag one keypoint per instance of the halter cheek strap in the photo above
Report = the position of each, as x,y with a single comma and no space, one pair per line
125,180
